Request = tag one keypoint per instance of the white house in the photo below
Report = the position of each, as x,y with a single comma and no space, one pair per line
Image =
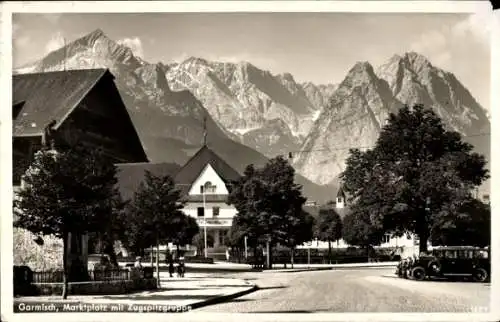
205,182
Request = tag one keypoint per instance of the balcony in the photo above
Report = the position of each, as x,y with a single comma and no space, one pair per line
208,198
214,222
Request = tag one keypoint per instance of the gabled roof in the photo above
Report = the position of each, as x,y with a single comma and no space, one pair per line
130,175
49,96
194,166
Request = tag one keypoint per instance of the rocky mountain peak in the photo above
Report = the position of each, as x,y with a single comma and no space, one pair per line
195,61
361,71
287,77
91,38
416,61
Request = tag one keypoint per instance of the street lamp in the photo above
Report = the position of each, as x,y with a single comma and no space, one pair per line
205,222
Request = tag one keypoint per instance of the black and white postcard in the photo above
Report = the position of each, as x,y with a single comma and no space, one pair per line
259,160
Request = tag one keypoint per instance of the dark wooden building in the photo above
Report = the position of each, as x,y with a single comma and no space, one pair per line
85,103
82,105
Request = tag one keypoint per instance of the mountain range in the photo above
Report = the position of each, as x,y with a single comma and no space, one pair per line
253,114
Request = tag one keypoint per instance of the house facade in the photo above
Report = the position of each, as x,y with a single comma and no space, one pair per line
205,182
207,202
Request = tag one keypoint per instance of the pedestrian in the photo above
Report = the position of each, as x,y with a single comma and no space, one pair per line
171,268
138,263
181,267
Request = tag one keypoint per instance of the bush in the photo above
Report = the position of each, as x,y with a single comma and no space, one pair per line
148,272
23,279
199,259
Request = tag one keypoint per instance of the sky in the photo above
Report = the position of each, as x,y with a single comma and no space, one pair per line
316,47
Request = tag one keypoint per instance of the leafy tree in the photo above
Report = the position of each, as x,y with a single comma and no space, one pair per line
359,230
470,224
267,200
236,236
184,229
297,229
65,194
247,195
199,241
417,171
154,213
328,227
116,225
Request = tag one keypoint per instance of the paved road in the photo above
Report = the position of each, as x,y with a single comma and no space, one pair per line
359,290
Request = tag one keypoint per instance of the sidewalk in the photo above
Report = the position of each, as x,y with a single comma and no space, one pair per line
190,292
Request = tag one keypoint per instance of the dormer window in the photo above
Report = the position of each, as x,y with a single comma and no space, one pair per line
339,200
208,188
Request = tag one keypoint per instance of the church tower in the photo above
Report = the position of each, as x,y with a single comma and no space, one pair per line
340,201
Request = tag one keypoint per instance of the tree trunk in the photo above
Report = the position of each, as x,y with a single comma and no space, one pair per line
268,255
65,265
157,262
424,237
178,251
151,253
292,249
110,250
329,252
271,259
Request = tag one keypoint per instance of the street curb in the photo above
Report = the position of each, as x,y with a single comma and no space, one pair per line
223,298
296,270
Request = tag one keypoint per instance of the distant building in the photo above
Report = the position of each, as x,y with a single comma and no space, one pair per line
204,181
342,208
83,104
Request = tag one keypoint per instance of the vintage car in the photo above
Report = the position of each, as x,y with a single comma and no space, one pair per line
446,262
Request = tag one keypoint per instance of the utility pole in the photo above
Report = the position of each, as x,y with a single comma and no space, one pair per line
205,223
268,257
246,247
158,262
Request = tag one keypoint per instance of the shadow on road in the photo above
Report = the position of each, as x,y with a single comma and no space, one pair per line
439,280
271,287
292,311
240,300
166,297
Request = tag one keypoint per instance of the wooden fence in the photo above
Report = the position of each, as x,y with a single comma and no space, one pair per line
94,275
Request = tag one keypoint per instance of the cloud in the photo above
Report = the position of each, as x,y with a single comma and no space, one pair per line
56,42
19,39
477,25
52,18
135,44
439,44
434,44
463,49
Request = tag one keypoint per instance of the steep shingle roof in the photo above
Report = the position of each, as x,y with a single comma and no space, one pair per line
194,166
130,175
49,96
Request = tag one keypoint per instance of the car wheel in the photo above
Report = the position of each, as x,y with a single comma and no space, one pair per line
418,273
480,275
